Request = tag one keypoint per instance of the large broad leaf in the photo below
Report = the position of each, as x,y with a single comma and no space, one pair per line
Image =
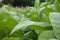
6,20
45,35
27,23
55,21
7,23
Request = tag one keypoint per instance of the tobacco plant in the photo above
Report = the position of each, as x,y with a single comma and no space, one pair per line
41,22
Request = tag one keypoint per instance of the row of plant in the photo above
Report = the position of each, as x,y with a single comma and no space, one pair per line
41,22
19,3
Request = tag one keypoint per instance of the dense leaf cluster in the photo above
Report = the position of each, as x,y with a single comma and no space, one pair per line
41,22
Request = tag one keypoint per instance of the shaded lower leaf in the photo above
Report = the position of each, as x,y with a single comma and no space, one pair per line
31,35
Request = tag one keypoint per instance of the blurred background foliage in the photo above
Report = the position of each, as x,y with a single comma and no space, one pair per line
18,3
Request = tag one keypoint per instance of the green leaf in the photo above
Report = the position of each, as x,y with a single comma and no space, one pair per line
37,4
45,35
9,38
7,23
31,35
57,6
18,34
44,4
55,21
53,39
34,16
27,23
59,1
50,1
48,10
